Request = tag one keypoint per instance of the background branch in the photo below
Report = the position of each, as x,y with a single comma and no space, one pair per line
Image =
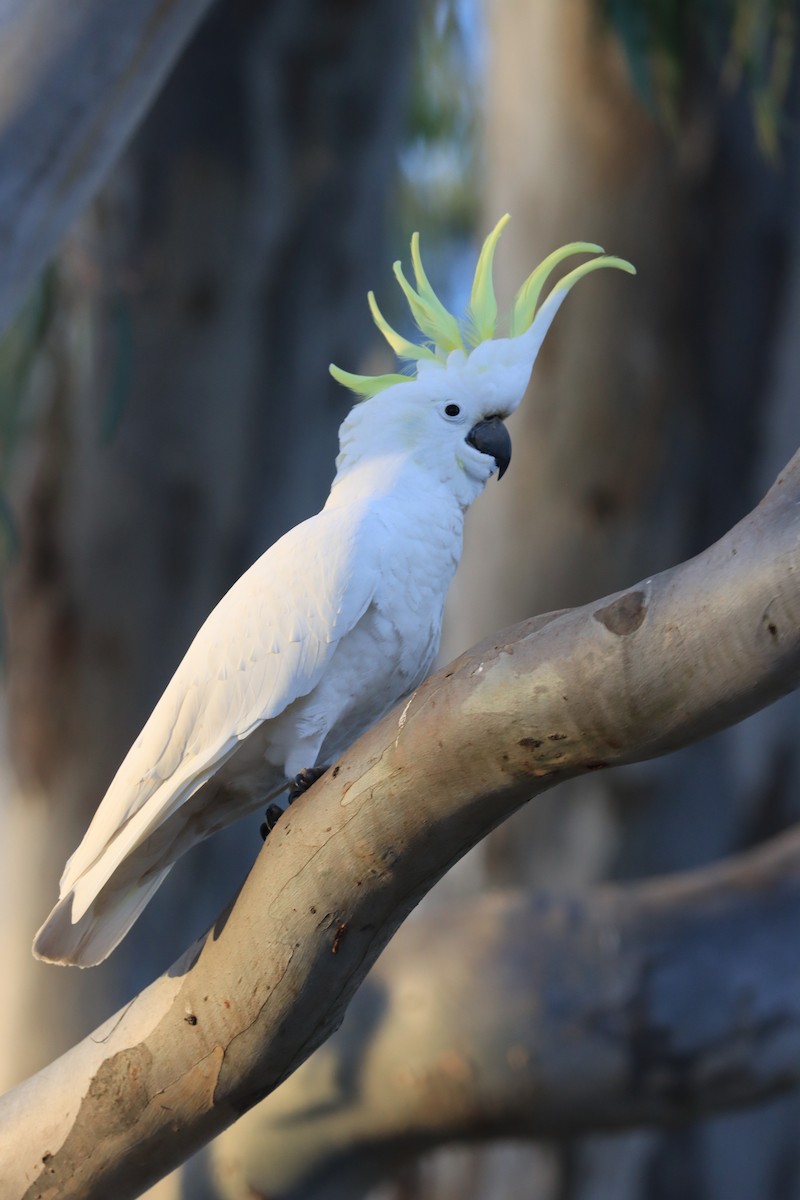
77,77
562,1014
625,678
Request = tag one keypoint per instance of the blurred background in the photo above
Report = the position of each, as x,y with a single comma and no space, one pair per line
166,413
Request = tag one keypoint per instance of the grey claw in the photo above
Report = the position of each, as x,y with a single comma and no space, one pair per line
271,818
303,781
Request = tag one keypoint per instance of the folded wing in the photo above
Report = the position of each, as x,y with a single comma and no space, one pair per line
266,644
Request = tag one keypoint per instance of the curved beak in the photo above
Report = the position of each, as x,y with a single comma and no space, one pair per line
491,437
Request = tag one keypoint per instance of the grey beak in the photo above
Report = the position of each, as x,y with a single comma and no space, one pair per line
491,437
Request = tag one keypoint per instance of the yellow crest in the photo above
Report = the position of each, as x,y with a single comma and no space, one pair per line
444,333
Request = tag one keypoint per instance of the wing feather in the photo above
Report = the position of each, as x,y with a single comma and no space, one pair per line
265,645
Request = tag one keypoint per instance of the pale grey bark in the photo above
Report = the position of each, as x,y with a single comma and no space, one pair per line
625,678
77,77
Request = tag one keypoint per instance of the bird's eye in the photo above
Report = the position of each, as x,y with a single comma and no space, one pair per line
452,410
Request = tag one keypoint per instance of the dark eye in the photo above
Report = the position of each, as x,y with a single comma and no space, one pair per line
452,410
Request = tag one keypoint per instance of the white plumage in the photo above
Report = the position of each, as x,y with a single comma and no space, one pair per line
319,638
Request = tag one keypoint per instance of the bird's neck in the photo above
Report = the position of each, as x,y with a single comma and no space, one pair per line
397,478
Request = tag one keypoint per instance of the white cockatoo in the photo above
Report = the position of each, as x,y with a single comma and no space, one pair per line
334,623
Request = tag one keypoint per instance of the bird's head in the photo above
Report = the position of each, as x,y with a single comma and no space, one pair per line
463,381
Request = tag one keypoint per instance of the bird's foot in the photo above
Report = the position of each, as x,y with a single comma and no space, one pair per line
303,781
271,818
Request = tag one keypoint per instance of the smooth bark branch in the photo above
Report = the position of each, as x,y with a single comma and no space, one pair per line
619,680
529,1016
76,78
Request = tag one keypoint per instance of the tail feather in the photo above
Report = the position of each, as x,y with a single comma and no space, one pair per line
101,928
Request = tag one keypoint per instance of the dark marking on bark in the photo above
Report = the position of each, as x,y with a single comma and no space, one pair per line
596,766
338,937
624,615
602,503
556,737
335,772
530,743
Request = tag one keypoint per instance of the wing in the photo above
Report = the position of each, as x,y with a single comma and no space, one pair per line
266,644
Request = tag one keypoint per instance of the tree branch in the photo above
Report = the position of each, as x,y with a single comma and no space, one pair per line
557,1015
77,77
619,680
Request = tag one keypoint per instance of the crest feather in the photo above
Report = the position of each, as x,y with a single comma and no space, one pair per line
430,314
483,304
607,260
366,385
402,347
446,334
528,295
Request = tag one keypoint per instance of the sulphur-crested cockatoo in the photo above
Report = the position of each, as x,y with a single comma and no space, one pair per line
337,621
